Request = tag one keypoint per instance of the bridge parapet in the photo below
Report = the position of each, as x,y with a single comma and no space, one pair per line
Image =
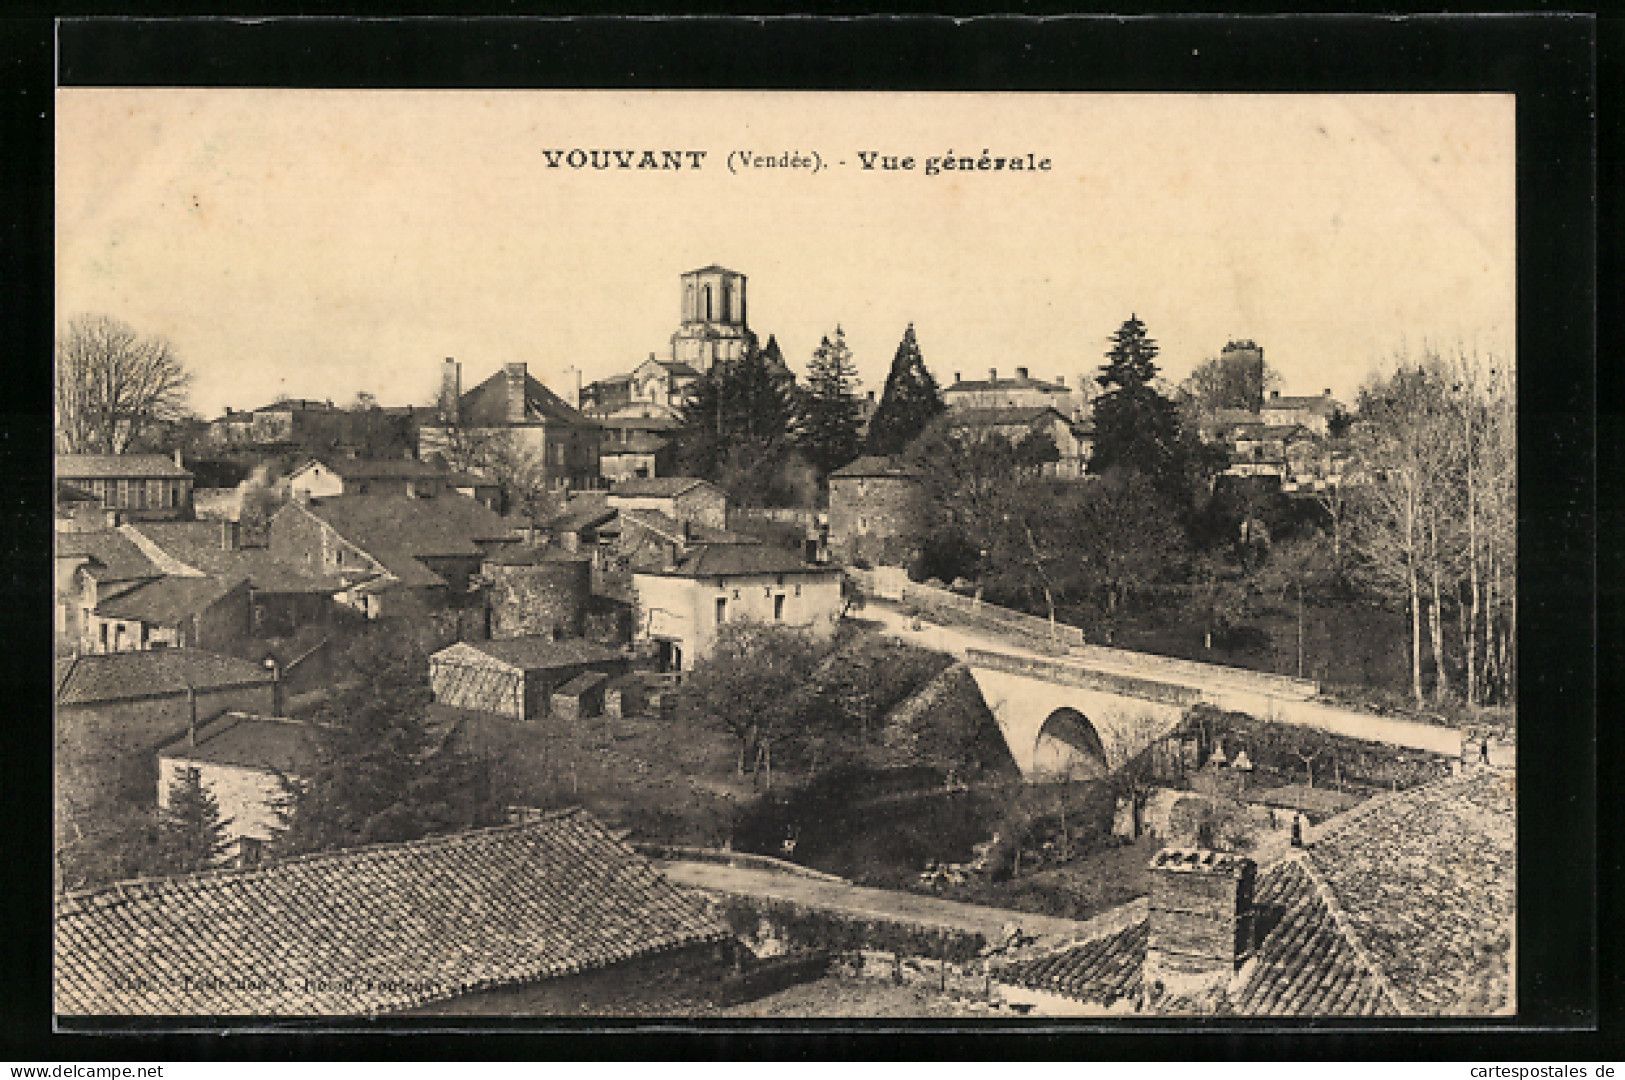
1152,665
1065,674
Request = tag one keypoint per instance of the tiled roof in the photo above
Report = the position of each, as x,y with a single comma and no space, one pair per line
114,466
534,556
1403,905
582,512
533,653
637,443
676,367
1315,403
197,544
383,928
723,560
67,493
266,744
1427,879
659,487
113,557
102,677
167,601
871,465
487,404
447,525
667,527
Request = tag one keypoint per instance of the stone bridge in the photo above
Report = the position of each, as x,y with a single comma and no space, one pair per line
1085,710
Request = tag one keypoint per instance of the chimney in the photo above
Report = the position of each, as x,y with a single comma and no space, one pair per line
230,537
1326,392
992,374
1021,373
451,390
1200,928
180,465
1274,394
515,376
956,376
871,395
1060,380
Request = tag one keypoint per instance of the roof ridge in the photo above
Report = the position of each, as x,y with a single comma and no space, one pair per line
1337,824
153,884
1340,919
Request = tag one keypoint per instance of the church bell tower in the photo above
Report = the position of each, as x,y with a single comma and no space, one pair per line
713,326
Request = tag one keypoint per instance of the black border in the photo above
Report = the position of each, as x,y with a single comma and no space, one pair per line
1549,61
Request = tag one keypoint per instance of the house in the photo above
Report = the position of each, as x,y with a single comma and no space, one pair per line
515,677
242,760
1402,906
682,605
514,407
537,918
170,613
77,510
682,498
650,539
136,487
283,597
1021,392
660,383
396,556
89,566
1074,440
1315,413
878,512
367,476
636,445
115,710
483,490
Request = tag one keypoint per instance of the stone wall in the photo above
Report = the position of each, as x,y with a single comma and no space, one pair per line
548,599
875,519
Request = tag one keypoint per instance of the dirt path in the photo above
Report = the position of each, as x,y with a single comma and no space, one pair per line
864,902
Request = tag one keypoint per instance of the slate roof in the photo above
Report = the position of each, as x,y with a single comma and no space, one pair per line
984,385
386,928
658,487
534,653
726,560
1003,416
167,601
487,405
197,544
97,678
873,465
1402,906
114,466
713,269
112,556
261,743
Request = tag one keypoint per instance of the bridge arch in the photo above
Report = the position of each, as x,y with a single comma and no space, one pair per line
1068,747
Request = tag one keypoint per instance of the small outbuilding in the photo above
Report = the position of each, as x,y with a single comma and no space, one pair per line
517,677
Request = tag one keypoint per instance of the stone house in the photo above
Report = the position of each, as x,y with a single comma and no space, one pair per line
136,487
1074,440
1314,412
513,406
878,513
88,566
395,556
516,677
1020,392
1403,906
170,613
242,760
549,917
681,606
683,498
367,476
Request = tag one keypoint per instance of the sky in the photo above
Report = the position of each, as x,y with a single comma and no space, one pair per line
321,243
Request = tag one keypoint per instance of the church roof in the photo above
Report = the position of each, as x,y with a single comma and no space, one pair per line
712,269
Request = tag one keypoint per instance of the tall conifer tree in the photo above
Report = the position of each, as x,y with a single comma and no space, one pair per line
909,402
831,411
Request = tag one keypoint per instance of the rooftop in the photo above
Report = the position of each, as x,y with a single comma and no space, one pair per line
261,743
660,487
102,677
198,545
731,560
1006,416
385,928
447,525
115,466
1403,905
167,601
487,404
109,554
535,653
1019,383
381,468
667,527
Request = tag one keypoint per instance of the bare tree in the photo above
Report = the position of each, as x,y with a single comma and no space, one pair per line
113,384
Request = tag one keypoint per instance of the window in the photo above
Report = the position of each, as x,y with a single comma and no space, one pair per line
778,608
722,609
